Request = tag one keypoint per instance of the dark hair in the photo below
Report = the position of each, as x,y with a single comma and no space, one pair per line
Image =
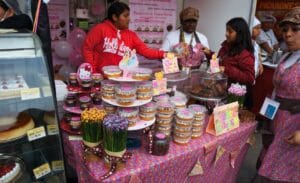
116,8
243,36
3,5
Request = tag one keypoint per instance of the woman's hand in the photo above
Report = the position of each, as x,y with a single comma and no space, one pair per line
293,139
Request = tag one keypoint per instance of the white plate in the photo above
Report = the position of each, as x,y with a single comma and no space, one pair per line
141,125
135,104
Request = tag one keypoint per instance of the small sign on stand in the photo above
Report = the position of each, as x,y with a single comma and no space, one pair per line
170,64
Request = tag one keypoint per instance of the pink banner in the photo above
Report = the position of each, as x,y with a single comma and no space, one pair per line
152,19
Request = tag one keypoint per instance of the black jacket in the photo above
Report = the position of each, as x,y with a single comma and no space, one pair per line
21,23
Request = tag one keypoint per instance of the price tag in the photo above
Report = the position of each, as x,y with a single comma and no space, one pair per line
73,137
31,93
36,133
57,165
41,170
52,129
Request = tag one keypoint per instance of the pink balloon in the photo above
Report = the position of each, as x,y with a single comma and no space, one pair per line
76,39
76,58
62,49
98,8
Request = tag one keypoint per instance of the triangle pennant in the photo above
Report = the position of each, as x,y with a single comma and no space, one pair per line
220,152
233,156
251,140
135,179
197,169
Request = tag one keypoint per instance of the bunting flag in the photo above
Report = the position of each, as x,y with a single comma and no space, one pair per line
220,152
233,156
208,148
197,169
251,140
135,179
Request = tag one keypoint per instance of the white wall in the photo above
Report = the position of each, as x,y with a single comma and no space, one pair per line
215,13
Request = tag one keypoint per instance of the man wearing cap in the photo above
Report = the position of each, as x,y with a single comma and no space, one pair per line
267,39
190,45
12,18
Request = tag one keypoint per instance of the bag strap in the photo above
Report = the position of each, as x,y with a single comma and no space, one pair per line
37,13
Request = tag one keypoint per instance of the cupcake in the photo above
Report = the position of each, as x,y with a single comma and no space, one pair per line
70,100
112,71
131,114
75,123
179,102
184,117
148,111
86,84
108,89
97,78
142,74
144,95
85,102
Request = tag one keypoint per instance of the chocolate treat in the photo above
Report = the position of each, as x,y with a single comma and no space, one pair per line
86,84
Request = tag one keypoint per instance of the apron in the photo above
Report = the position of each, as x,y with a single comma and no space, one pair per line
189,56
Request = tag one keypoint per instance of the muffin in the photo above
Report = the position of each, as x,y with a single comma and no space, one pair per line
112,71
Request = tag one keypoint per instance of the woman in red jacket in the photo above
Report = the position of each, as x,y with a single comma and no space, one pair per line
107,42
236,55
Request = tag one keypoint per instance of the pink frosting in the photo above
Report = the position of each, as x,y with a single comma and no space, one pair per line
184,113
198,108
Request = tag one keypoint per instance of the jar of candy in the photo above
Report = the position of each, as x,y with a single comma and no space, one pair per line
160,144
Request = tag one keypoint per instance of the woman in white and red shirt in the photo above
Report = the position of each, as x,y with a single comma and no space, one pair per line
107,42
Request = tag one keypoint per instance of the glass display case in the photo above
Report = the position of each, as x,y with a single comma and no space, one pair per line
29,130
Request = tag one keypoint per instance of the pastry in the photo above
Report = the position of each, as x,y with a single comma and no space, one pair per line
112,71
125,94
11,86
142,74
179,102
9,172
108,89
85,102
109,109
148,111
70,100
165,108
131,114
86,84
145,86
49,117
13,128
161,98
144,95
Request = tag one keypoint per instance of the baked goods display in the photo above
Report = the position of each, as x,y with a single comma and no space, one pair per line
112,71
10,86
125,94
200,113
12,127
209,85
130,113
9,172
141,74
164,117
183,126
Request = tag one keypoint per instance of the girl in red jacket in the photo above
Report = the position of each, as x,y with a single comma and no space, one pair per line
236,55
107,42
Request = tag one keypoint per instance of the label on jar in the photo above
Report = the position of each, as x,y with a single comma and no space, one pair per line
57,165
36,133
41,170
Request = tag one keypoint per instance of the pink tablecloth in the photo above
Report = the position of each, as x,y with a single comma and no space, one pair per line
175,166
